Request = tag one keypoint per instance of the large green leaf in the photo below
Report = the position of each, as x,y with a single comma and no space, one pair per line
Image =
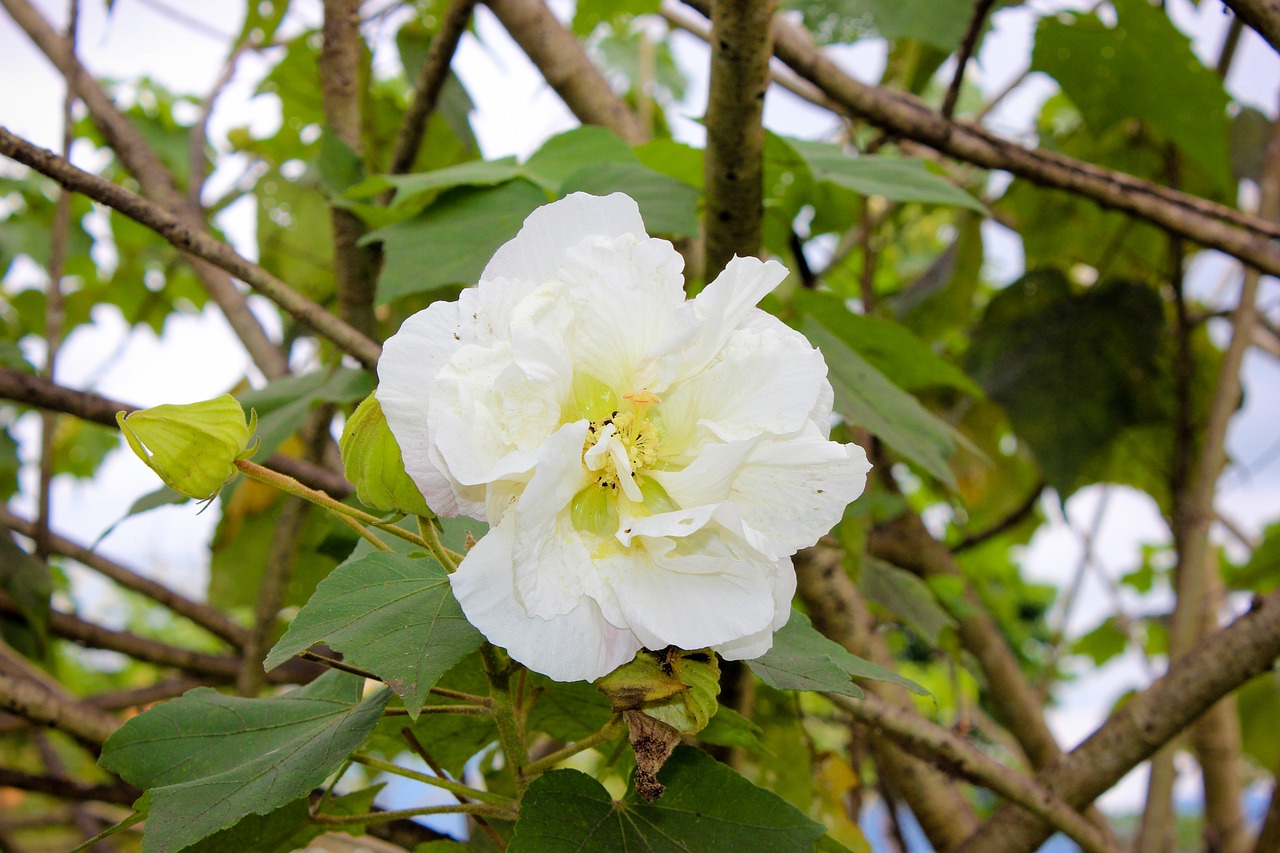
1142,68
706,807
451,241
210,759
906,596
939,23
894,178
562,155
803,659
668,206
390,614
1073,370
868,399
889,347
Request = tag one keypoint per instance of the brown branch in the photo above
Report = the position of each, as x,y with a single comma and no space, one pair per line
29,700
33,391
957,756
838,612
1213,225
63,787
210,618
429,83
156,181
355,267
734,168
980,10
1263,16
194,242
1217,666
564,64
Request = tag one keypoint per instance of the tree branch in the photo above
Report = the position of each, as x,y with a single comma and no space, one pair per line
355,267
33,391
1213,225
1217,666
980,10
66,788
156,182
194,242
1261,15
210,618
734,167
428,84
564,64
30,701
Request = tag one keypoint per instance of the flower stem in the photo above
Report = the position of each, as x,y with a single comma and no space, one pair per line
290,486
382,817
510,733
431,536
436,781
610,731
465,710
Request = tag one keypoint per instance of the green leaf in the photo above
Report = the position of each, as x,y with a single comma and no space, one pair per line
1261,574
590,13
421,185
390,614
451,739
868,399
729,728
338,166
1072,370
668,206
451,241
283,404
1142,68
887,346
940,23
803,659
141,808
707,806
28,582
568,710
561,156
10,465
894,178
907,597
209,759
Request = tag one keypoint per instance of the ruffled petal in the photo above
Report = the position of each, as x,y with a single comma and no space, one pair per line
535,254
576,646
755,645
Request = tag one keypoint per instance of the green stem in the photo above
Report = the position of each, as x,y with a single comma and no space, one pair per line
610,731
465,710
436,781
364,533
290,486
431,536
479,809
510,734
469,698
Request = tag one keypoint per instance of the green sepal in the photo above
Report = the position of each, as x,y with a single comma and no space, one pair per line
674,686
194,447
372,462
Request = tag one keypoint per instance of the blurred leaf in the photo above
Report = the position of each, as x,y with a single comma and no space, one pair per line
1257,702
411,188
562,155
452,240
940,23
10,465
338,166
1142,68
261,20
803,659
668,206
1249,130
1261,574
868,399
80,446
887,346
675,159
294,226
1102,643
707,806
28,583
210,759
905,596
1071,369
283,404
567,711
392,615
729,728
894,178
590,13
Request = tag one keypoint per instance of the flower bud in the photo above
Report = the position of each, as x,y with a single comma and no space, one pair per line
674,686
372,462
194,447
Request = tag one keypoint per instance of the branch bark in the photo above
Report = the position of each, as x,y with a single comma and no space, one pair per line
734,167
194,242
156,181
66,788
355,267
33,391
564,64
1261,15
1219,665
1246,237
29,700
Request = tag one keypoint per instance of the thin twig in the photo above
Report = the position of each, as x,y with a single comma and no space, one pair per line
976,22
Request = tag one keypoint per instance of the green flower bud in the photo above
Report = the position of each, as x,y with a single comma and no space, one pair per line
677,687
372,462
194,448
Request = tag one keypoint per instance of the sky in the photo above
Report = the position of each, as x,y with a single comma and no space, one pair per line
197,358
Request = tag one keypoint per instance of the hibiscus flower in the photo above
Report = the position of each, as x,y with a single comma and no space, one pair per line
647,463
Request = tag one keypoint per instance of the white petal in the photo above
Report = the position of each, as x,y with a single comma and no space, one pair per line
552,565
763,382
794,491
709,477
577,646
755,645
534,254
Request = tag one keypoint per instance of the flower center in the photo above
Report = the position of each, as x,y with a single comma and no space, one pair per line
625,435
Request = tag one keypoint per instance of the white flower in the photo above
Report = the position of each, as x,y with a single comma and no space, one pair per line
648,464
